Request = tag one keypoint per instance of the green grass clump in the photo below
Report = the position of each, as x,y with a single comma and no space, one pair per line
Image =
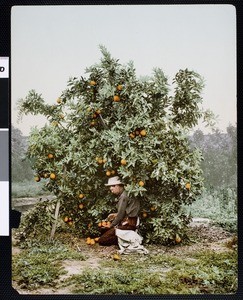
41,264
205,272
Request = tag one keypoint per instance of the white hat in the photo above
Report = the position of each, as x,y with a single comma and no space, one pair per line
113,181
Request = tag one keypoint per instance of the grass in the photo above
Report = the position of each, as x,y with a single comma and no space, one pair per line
198,272
205,272
40,265
182,270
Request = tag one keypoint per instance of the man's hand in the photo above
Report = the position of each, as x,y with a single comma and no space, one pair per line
106,224
111,217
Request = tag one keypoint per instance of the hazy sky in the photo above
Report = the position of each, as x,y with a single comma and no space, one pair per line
50,44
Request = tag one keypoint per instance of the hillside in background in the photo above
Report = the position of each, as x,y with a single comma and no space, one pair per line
20,165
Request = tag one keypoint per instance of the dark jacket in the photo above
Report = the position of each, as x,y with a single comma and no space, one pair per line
126,207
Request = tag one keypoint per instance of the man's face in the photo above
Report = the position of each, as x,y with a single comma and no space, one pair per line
116,189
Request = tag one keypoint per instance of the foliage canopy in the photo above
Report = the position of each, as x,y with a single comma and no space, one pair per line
110,116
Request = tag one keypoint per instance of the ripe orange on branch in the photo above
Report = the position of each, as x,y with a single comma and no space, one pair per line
143,132
123,162
108,173
81,196
116,98
37,178
188,185
59,100
145,214
119,87
50,155
81,206
141,183
52,175
92,83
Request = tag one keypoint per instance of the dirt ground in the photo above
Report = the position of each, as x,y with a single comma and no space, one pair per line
207,237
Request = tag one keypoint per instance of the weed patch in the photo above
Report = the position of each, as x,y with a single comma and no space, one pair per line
41,264
205,272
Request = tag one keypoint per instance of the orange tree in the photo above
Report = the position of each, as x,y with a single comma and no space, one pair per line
113,123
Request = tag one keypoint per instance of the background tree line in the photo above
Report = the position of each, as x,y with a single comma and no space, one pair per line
219,151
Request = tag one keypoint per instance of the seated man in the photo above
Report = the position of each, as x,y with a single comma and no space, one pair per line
126,216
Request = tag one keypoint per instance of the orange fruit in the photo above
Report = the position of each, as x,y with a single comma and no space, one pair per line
37,178
103,223
116,98
141,183
177,238
100,161
132,136
92,241
88,241
59,100
92,83
188,185
100,224
123,162
108,173
96,239
108,224
145,214
46,175
152,208
52,175
66,219
113,172
119,87
104,161
50,155
92,123
98,112
81,196
81,206
143,132
116,256
70,223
